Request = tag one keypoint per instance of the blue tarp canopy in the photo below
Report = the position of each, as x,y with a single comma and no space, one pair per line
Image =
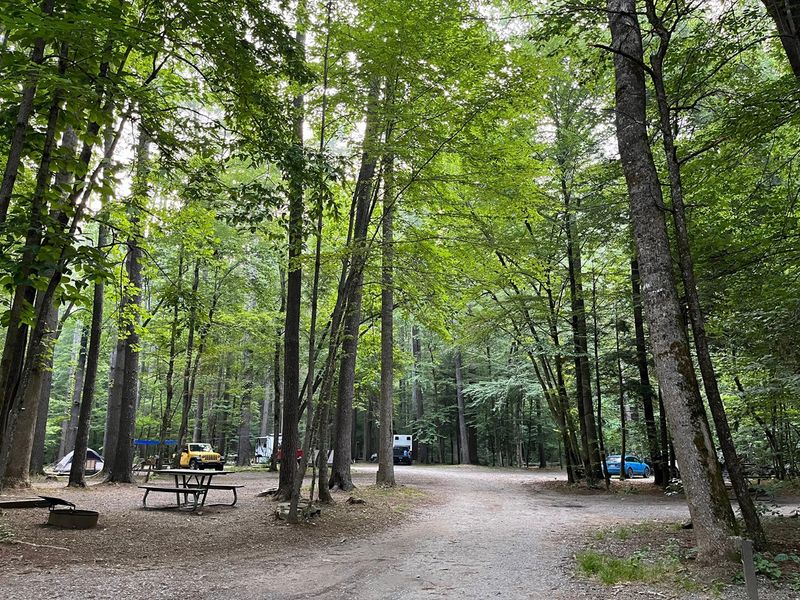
154,442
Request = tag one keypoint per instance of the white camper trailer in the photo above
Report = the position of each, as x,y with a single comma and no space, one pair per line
264,448
401,454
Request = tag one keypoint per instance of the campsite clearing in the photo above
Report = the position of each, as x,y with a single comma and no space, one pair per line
475,532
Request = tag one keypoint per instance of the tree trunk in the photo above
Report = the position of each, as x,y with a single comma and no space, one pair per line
266,410
596,336
65,225
120,470
114,404
340,473
197,433
245,411
18,469
704,360
623,430
311,412
186,388
24,112
462,419
276,376
169,381
709,507
580,452
540,434
75,346
645,388
14,357
583,375
43,410
77,472
294,284
787,21
75,405
416,393
368,419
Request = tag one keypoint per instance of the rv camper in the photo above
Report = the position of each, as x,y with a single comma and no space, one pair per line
264,447
401,453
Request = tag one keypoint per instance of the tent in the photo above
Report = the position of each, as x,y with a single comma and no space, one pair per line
94,463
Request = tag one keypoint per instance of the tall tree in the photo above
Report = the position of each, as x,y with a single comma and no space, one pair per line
294,284
463,439
696,317
645,388
416,392
77,472
121,469
708,503
342,454
385,475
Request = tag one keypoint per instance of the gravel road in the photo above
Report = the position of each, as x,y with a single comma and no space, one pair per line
486,533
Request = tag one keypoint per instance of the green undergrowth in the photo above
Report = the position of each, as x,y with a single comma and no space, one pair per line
664,555
611,570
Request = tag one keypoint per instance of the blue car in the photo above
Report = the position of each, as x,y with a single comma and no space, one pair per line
633,466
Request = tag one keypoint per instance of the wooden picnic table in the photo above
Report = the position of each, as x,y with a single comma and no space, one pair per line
189,482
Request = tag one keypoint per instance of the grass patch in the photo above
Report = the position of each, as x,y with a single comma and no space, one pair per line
623,533
401,498
610,570
6,533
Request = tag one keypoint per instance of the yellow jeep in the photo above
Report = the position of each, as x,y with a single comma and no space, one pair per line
200,456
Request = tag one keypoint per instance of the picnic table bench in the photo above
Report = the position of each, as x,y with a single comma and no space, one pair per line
189,482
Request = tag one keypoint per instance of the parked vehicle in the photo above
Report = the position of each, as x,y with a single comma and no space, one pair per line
633,465
201,456
401,452
264,447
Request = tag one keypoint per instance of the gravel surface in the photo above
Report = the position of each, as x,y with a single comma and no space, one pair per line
476,533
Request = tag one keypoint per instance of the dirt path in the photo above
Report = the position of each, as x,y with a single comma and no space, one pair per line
493,536
487,533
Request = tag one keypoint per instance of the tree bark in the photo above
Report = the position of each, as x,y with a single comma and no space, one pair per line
340,473
623,430
114,404
462,418
24,112
17,473
169,381
186,388
120,470
788,24
645,388
43,410
696,317
294,284
416,393
711,512
276,376
385,475
77,474
77,390
583,375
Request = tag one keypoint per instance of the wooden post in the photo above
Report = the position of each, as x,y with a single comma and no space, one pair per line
749,570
